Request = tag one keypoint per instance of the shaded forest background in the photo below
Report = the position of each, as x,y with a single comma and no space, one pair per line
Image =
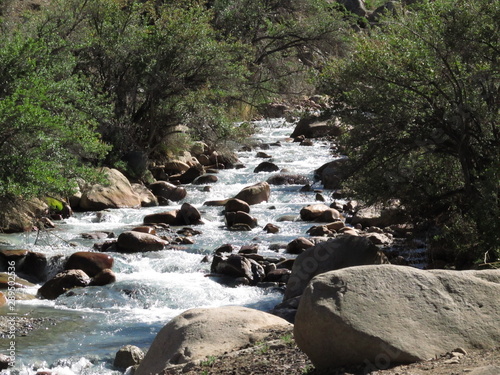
415,83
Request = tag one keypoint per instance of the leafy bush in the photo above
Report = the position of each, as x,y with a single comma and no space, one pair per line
47,120
421,98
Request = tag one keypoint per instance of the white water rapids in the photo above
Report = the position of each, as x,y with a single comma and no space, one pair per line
92,323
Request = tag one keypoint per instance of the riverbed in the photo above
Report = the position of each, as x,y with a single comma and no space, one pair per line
85,327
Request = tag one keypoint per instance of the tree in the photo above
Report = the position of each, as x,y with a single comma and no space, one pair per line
159,65
420,96
290,40
48,118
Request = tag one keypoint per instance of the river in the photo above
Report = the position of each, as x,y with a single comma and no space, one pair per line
92,323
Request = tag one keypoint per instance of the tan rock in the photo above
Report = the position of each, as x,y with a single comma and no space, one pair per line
18,215
118,193
175,167
319,212
336,225
198,333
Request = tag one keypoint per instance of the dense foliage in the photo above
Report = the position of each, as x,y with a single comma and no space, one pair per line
147,76
421,96
83,82
48,118
289,40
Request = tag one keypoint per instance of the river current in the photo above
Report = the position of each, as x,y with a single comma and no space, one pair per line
92,323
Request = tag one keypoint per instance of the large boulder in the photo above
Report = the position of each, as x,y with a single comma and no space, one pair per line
117,193
199,333
165,191
89,262
255,194
134,242
319,212
378,316
12,258
104,277
19,283
36,266
188,215
18,215
63,282
336,253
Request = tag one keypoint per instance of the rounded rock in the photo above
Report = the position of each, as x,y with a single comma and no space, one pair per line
128,355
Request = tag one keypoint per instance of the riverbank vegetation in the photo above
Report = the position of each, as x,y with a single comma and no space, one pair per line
417,88
421,97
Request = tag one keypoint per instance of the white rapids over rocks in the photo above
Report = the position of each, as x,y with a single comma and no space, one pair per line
151,288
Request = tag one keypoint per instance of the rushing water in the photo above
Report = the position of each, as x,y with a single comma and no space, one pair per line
94,322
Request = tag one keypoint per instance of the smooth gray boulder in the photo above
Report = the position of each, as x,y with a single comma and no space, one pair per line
340,252
379,316
202,332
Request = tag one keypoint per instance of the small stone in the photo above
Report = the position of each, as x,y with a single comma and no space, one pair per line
128,355
271,228
187,241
